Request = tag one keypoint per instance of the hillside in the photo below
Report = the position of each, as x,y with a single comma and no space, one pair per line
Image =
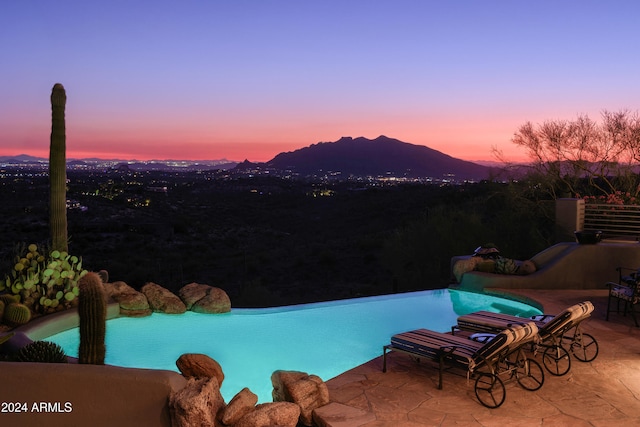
382,156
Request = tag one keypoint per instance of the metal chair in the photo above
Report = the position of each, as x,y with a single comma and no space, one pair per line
555,333
500,356
627,291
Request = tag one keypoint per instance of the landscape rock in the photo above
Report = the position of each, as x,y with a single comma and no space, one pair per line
163,300
199,366
197,404
206,299
464,266
132,303
307,391
241,404
192,293
283,414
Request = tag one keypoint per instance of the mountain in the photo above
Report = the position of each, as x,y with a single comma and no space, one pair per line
25,160
382,156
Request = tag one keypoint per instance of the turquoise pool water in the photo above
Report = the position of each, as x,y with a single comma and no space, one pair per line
325,339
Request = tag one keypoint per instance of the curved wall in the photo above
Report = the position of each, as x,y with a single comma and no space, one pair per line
564,266
58,394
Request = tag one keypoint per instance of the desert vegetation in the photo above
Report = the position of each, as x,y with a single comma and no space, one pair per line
584,156
272,241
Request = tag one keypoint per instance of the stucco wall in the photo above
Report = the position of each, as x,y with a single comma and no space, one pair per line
80,395
85,395
564,266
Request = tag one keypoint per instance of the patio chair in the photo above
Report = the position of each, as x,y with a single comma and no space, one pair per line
498,357
552,332
627,291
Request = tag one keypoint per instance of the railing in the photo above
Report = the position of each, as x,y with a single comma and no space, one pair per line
613,220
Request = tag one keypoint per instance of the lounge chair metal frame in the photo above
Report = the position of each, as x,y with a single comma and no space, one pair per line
626,290
556,334
488,367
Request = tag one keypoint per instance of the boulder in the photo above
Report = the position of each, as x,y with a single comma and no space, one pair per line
163,300
197,404
216,301
241,404
205,299
199,366
284,414
192,293
132,303
307,391
464,266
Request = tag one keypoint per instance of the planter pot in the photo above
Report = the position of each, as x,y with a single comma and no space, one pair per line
588,237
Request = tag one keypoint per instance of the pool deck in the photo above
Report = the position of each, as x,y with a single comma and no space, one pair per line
604,392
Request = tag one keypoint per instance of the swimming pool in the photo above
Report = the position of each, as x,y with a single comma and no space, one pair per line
325,339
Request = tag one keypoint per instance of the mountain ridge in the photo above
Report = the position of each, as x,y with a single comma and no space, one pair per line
379,157
382,156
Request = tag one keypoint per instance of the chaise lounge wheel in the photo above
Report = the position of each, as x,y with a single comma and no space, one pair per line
490,390
556,360
584,347
529,374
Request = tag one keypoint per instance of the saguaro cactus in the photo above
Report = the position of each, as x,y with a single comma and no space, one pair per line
92,309
58,171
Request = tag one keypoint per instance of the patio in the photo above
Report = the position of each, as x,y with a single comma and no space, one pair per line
605,392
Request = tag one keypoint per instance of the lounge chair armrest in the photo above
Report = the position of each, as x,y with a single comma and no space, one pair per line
542,317
451,348
482,337
612,284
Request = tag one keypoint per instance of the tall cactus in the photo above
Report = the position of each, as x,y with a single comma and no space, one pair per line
92,309
58,171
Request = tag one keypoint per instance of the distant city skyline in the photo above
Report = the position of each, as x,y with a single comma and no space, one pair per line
206,80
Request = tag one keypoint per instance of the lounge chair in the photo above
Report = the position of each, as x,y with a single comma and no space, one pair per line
627,290
499,356
552,331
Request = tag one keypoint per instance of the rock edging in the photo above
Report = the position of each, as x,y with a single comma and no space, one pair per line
196,297
296,395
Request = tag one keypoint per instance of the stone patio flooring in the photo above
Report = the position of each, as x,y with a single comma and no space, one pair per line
604,392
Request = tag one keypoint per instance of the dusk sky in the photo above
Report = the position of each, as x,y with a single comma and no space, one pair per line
214,79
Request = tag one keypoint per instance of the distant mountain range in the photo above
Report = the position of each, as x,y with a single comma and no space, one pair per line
168,165
382,156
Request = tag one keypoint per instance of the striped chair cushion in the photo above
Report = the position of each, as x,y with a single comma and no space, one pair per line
569,317
461,350
513,336
625,293
432,344
486,321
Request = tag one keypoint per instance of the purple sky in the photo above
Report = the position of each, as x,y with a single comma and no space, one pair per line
249,79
